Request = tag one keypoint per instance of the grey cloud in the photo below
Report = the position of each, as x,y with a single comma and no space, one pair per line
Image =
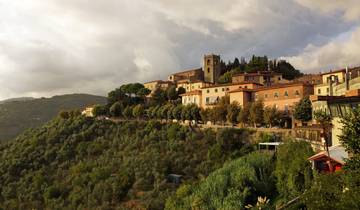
52,47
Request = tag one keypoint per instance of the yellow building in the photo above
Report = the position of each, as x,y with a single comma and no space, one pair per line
88,111
337,83
211,95
191,86
153,85
192,97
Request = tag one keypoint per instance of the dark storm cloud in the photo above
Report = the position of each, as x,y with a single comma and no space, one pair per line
53,47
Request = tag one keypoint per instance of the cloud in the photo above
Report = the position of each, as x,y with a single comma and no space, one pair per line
54,47
335,54
349,8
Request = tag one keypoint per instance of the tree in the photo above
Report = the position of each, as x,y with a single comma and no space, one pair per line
138,111
127,113
233,112
256,112
286,69
181,90
303,110
143,92
244,113
195,113
271,115
171,93
158,97
177,112
116,109
115,95
204,114
64,115
99,110
293,170
350,137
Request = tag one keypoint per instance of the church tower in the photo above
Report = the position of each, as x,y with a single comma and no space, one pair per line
211,68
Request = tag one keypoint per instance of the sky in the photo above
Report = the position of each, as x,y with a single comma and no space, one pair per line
81,46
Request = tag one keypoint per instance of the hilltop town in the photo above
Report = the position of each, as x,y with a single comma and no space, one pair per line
335,92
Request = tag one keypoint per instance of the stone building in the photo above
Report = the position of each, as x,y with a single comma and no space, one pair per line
211,68
153,85
266,78
188,75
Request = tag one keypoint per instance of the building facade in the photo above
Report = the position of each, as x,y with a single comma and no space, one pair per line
266,78
284,96
191,86
192,97
188,75
153,85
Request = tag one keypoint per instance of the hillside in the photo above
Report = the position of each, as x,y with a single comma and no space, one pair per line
17,99
17,116
82,163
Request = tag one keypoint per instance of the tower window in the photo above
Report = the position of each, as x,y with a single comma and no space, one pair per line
208,70
208,62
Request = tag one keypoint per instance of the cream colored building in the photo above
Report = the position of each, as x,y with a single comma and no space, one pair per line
153,85
88,112
192,97
337,83
192,86
212,95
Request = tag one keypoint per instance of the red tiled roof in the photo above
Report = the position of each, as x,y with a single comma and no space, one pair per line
231,84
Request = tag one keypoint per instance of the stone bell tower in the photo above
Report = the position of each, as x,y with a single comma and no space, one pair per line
211,68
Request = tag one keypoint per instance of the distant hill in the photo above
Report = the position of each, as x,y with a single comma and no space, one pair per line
17,115
17,99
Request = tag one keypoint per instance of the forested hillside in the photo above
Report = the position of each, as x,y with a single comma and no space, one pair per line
83,163
19,115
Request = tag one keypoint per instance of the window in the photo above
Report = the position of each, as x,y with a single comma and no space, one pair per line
208,70
319,91
297,93
192,87
207,91
216,90
223,89
286,94
276,95
266,95
227,89
245,86
207,100
279,78
286,108
327,90
208,62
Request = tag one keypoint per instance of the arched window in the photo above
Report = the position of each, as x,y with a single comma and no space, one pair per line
208,62
208,70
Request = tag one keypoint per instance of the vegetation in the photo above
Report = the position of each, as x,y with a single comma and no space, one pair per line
74,162
235,185
256,63
303,110
19,115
